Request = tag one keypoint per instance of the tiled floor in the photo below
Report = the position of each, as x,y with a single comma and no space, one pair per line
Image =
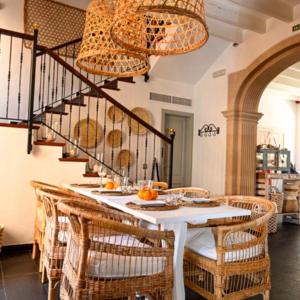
20,280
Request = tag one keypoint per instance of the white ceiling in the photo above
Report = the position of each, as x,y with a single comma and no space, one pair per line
288,83
228,21
189,68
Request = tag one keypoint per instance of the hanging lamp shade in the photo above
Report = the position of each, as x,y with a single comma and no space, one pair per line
171,26
99,54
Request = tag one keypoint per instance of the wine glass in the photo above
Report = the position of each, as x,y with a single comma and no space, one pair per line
102,173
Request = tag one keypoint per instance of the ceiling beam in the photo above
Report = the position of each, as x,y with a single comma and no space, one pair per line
291,73
275,8
233,15
288,81
225,31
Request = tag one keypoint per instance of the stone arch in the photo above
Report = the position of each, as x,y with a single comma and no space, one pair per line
245,90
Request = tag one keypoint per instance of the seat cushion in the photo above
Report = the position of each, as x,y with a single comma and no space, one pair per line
107,265
202,241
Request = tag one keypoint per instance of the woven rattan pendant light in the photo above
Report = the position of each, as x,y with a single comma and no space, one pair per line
170,26
99,54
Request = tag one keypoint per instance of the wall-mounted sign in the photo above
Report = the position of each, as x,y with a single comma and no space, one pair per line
296,27
209,130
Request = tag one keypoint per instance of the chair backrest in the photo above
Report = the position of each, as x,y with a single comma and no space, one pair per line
161,185
192,192
249,234
105,249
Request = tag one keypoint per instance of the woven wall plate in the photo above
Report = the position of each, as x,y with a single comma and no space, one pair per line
115,114
152,208
114,138
89,132
125,158
135,126
204,204
57,23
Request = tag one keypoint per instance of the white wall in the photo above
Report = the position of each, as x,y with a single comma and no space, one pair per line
211,99
297,158
17,200
280,113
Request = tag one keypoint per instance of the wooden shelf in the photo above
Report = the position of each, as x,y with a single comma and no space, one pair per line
45,143
73,159
90,175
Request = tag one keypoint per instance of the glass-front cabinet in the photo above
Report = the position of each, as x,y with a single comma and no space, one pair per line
271,159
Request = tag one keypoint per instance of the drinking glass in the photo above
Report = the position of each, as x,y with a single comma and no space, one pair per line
102,173
124,184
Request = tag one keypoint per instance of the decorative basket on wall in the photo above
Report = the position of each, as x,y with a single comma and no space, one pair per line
57,23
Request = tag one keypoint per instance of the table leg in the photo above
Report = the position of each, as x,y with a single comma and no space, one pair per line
180,231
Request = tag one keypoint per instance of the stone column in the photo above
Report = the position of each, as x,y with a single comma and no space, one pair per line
241,152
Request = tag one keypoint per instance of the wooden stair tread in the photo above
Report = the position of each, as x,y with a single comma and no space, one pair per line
111,85
73,159
126,79
45,143
20,125
90,175
77,101
59,110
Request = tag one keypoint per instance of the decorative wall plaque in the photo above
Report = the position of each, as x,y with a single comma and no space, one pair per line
209,130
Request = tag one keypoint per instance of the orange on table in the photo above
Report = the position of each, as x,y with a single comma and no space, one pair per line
110,185
147,195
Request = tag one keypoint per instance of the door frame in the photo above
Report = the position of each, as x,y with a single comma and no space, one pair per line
190,139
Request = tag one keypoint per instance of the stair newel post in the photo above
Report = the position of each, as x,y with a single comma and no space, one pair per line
172,136
32,89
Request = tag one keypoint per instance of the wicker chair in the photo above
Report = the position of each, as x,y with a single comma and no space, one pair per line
55,237
160,185
40,218
107,259
190,192
231,261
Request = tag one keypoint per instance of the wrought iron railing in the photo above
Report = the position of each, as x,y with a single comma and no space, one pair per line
73,104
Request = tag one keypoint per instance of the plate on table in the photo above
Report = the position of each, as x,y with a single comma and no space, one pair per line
151,205
198,202
86,185
111,193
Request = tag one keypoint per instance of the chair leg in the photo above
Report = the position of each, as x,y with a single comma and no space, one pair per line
41,264
44,275
51,290
266,295
34,250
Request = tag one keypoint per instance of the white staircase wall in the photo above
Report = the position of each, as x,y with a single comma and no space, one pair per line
17,169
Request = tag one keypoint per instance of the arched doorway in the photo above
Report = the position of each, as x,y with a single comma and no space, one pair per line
245,90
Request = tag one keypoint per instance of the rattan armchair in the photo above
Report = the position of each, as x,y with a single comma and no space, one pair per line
40,218
231,261
190,192
55,237
108,259
160,185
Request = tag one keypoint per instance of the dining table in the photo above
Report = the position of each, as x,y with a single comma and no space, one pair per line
174,220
